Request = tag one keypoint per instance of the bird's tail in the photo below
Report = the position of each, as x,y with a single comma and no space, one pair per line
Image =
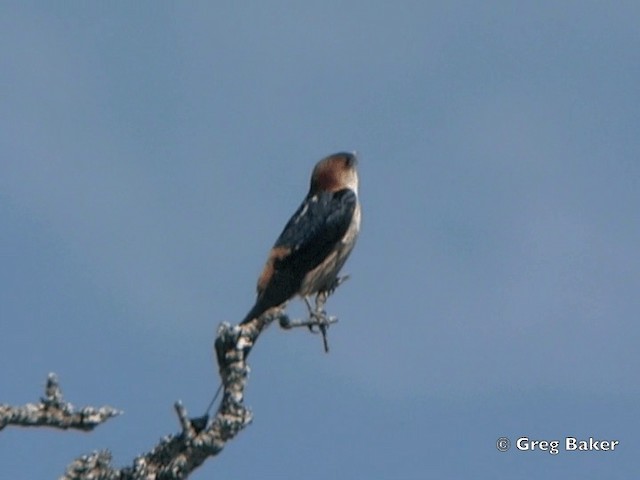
256,311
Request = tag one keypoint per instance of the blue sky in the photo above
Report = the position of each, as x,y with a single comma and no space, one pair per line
151,152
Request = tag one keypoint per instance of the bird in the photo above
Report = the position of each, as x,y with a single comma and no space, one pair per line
313,246
315,243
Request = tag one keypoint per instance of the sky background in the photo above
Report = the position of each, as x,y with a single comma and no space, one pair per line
151,152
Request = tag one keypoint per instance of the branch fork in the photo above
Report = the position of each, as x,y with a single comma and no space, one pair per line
176,456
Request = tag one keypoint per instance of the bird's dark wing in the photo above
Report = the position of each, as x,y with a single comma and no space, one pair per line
314,230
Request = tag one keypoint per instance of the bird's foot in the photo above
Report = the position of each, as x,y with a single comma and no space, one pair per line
317,322
320,320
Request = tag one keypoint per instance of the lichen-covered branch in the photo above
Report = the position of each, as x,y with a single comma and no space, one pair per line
176,456
53,411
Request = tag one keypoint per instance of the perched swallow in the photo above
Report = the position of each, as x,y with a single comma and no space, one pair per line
317,240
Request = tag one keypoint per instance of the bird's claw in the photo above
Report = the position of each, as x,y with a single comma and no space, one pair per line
322,321
317,322
317,317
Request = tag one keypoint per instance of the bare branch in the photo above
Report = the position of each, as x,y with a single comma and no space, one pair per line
176,456
52,411
288,324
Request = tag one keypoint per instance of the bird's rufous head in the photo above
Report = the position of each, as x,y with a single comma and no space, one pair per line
335,172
